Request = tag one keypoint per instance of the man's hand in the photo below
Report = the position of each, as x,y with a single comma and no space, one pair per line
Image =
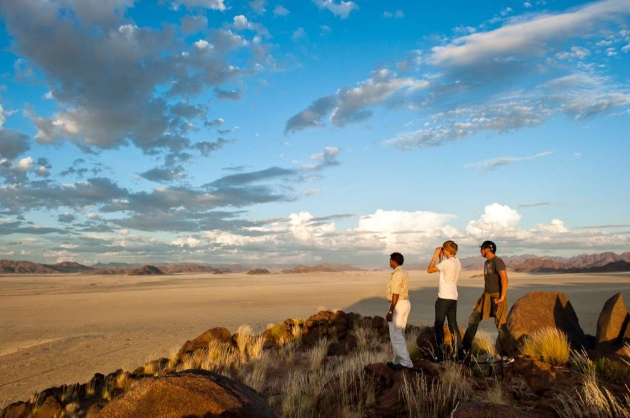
498,300
438,251
389,316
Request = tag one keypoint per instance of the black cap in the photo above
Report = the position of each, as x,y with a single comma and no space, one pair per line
489,244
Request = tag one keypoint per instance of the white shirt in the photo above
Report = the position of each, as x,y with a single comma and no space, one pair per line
449,276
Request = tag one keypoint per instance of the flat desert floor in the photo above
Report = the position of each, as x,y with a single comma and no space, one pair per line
61,329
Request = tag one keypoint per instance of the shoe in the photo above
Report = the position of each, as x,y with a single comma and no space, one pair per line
391,364
462,354
507,360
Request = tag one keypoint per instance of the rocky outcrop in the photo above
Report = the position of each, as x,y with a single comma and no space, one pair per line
613,322
188,394
146,271
258,271
321,268
539,310
201,342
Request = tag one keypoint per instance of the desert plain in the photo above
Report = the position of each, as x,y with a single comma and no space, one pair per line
62,329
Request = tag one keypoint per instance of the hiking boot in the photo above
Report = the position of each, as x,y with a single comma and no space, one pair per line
507,360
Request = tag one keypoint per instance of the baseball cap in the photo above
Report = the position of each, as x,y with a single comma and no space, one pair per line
489,244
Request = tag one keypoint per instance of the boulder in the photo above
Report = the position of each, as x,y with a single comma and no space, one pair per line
613,321
16,410
50,408
539,310
201,342
195,393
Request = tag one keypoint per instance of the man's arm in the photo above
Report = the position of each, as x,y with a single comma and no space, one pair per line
504,286
432,268
390,313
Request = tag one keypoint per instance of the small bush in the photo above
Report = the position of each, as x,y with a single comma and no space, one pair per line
612,370
549,345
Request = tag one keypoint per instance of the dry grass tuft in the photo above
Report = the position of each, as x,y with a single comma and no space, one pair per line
301,390
483,344
256,376
412,347
317,354
496,394
426,400
592,399
367,339
549,345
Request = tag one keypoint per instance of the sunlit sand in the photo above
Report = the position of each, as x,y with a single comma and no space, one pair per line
57,329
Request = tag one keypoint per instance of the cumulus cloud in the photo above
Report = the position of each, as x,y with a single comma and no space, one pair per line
114,95
341,8
493,164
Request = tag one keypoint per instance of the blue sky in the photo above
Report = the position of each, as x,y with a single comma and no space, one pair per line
311,131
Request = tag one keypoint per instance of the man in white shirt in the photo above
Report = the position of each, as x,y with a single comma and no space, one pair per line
399,308
446,303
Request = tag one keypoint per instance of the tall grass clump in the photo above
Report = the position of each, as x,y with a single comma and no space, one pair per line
243,339
436,400
483,344
301,390
317,354
256,376
412,347
367,338
592,399
549,345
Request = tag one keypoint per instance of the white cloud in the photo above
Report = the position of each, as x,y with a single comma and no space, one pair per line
497,220
298,34
341,9
490,165
280,11
397,14
526,38
208,4
25,163
576,52
202,44
383,84
186,242
240,22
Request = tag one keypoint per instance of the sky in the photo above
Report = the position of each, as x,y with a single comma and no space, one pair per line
310,131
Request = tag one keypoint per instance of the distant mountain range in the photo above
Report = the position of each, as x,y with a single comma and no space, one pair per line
584,263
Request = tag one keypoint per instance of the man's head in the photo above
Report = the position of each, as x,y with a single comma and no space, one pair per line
396,258
450,248
488,248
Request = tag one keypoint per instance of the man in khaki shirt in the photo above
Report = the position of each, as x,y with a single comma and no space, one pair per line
399,308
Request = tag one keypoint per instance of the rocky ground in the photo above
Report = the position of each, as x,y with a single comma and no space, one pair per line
333,364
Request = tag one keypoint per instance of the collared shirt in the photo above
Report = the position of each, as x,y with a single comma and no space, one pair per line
398,284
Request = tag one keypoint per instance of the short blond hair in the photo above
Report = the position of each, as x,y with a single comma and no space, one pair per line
450,246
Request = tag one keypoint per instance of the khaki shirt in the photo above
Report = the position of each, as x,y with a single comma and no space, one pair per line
398,284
